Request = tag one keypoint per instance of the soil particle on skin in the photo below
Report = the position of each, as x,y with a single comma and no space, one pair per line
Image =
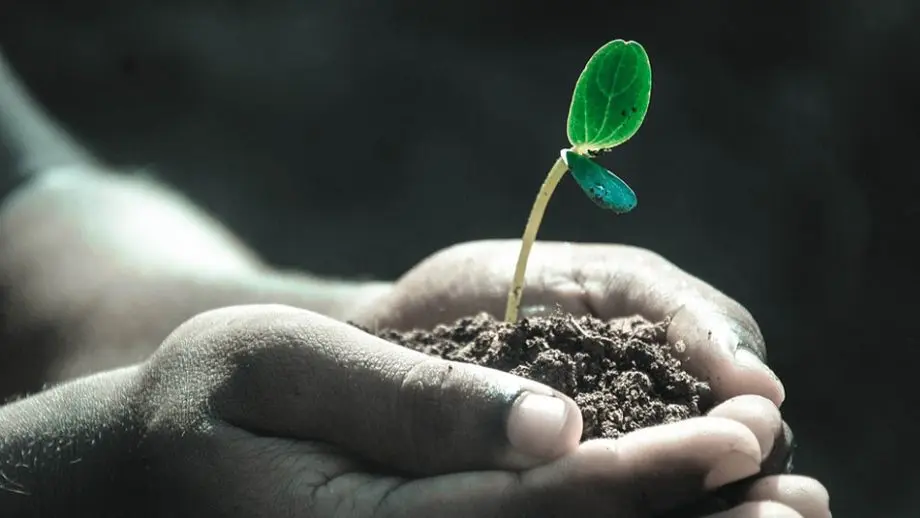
620,372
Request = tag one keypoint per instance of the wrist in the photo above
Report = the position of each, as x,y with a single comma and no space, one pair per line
72,449
336,298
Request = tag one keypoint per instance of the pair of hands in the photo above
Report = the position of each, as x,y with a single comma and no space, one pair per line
274,411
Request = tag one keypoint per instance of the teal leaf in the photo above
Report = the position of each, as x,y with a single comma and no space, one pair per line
606,189
611,97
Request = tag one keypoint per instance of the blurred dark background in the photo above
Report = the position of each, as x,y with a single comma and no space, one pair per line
353,137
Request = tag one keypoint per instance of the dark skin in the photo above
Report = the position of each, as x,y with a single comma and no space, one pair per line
192,379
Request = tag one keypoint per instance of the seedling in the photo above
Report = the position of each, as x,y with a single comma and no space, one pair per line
609,104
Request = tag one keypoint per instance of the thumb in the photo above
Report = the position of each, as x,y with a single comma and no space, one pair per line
318,379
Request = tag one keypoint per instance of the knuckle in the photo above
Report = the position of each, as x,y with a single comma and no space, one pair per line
422,387
226,330
180,392
204,352
745,328
700,290
423,407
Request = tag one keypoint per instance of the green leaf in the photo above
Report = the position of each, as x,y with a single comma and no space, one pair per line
604,188
611,97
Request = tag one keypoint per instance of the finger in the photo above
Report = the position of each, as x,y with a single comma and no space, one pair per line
716,338
757,413
301,375
641,474
759,510
715,347
475,277
763,419
780,458
806,495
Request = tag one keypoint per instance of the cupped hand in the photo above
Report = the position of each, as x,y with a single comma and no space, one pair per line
278,412
716,338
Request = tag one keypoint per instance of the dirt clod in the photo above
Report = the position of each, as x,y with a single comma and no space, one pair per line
620,372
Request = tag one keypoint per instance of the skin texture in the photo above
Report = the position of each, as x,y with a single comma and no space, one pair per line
323,417
721,340
191,379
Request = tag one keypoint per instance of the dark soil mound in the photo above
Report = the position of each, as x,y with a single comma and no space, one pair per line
619,372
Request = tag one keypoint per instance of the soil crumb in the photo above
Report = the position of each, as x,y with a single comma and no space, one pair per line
620,372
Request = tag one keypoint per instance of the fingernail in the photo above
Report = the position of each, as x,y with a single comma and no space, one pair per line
537,424
749,359
734,467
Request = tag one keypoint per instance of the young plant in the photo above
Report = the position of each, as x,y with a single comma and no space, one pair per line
609,104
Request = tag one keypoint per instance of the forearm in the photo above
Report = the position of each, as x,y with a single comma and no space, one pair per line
71,450
96,269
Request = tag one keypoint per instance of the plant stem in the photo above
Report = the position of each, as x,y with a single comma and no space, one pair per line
530,235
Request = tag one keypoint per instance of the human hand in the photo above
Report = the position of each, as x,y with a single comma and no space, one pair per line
716,338
279,412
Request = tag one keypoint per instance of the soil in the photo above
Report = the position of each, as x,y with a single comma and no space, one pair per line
620,372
